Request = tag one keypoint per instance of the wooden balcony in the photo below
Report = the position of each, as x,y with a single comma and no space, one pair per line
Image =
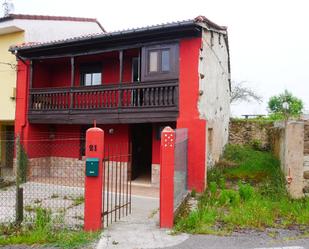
110,103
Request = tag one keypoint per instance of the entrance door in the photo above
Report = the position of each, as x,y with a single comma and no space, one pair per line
141,137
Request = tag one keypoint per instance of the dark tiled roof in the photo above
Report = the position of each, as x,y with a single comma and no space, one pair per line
49,18
197,20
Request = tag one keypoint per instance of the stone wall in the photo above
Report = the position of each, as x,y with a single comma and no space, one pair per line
56,167
306,157
291,147
247,131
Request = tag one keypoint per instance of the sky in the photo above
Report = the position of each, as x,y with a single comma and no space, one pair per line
269,39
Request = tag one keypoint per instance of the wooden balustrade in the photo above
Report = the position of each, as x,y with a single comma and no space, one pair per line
109,98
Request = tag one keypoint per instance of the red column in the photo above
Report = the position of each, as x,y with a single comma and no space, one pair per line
93,185
167,178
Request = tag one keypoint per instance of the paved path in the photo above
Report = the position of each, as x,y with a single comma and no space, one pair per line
140,229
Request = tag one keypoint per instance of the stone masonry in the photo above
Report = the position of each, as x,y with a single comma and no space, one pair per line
306,158
247,131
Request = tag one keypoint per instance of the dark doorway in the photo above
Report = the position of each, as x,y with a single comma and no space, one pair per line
141,137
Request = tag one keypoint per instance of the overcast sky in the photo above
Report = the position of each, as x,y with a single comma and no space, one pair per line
269,39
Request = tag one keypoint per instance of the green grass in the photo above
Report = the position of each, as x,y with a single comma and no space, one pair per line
246,190
62,238
43,231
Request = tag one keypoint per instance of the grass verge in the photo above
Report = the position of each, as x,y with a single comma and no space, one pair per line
246,190
45,232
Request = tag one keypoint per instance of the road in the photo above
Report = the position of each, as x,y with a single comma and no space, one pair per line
250,240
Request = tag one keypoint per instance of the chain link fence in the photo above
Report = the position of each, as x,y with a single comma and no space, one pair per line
45,173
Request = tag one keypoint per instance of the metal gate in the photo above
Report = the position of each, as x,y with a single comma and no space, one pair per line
116,182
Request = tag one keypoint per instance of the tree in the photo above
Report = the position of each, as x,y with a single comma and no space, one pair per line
285,104
241,93
8,7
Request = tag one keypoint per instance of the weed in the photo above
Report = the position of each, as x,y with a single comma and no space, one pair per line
213,188
193,193
42,218
37,201
229,197
54,196
246,191
29,208
78,200
44,231
255,197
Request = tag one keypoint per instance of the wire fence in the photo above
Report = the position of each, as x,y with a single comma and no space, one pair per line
43,173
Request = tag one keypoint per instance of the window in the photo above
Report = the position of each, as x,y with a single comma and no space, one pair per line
160,62
153,61
91,75
165,60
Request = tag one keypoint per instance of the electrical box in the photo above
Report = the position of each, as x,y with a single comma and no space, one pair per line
92,166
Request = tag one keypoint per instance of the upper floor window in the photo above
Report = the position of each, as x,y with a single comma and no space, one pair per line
91,75
160,62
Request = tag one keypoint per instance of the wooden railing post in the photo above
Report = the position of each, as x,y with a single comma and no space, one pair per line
167,161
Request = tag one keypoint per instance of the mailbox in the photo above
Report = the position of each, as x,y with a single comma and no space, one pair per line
92,166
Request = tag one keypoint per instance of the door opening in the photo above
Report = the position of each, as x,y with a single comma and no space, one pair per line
141,137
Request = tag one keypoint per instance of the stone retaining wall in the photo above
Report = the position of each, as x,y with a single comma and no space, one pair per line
247,131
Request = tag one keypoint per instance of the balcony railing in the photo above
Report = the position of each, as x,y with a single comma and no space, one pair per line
159,97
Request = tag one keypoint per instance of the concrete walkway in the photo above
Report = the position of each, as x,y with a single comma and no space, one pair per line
140,229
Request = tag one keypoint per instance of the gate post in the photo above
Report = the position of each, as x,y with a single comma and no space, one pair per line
94,179
167,177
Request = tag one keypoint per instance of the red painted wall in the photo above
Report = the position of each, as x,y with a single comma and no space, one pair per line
57,72
188,112
59,75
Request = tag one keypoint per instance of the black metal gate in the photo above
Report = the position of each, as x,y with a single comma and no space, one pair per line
117,182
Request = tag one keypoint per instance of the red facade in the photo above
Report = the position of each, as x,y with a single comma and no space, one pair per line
50,73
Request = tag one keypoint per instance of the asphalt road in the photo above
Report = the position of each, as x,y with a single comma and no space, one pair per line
250,240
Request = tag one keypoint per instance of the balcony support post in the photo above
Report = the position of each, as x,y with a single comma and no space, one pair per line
30,83
120,78
72,81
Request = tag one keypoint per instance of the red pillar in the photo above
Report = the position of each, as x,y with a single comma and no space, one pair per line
93,184
167,178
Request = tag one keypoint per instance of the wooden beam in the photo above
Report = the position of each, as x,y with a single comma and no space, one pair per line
72,71
120,78
120,66
30,74
30,84
72,80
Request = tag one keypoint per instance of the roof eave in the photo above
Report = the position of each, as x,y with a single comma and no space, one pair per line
149,31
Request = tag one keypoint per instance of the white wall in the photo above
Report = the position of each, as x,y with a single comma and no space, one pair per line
214,101
50,30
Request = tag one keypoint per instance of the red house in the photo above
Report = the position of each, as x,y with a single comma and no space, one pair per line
133,83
